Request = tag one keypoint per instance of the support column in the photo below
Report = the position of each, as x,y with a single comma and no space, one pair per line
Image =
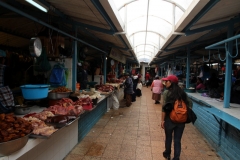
188,67
116,69
228,70
161,72
104,68
196,73
74,61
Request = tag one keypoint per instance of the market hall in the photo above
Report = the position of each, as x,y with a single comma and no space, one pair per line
77,48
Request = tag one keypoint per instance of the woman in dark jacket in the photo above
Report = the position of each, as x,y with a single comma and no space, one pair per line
135,82
173,93
128,89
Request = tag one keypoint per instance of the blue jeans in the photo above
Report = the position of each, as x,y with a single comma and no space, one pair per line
177,129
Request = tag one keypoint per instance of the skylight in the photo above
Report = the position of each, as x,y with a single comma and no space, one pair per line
148,22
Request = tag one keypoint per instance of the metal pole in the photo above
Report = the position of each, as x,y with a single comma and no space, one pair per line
74,62
161,72
45,24
188,67
116,70
104,68
228,71
223,42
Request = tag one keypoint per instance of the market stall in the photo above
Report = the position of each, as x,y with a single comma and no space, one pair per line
70,121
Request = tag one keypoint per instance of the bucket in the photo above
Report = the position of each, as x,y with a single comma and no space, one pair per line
34,92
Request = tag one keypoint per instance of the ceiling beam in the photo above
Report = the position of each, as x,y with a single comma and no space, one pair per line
14,33
3,4
205,9
67,19
195,19
102,11
213,26
148,31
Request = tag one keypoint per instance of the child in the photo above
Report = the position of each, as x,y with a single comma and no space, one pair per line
139,88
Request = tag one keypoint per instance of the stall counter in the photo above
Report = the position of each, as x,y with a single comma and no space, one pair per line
60,143
56,147
215,107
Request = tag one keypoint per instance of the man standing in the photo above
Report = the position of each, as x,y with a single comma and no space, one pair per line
128,89
147,77
82,75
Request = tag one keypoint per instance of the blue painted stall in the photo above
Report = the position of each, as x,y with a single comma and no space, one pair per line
89,119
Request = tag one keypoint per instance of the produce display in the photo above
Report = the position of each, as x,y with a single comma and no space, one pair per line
115,85
86,103
49,120
92,95
104,88
66,106
40,127
60,89
12,127
61,119
43,115
114,80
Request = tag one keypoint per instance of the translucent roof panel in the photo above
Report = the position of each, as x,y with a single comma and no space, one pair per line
149,22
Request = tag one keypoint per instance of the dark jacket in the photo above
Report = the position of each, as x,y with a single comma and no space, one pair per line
128,86
82,78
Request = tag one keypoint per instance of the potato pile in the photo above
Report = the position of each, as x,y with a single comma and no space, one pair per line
61,89
12,127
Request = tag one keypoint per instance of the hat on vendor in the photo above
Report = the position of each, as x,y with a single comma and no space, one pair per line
171,78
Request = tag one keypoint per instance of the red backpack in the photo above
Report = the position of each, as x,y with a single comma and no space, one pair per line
179,112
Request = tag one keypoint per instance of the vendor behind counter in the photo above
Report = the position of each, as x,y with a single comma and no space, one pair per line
82,75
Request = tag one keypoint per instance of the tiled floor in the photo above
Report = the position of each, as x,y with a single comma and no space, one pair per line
134,133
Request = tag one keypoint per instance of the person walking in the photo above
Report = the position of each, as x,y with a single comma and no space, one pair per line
147,77
173,92
156,88
128,89
139,88
135,82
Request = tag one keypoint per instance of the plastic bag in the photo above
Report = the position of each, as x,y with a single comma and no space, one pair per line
58,76
115,102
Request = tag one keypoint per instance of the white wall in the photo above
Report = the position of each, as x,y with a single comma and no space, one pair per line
68,64
143,72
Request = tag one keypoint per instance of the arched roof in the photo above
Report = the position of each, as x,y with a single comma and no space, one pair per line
149,22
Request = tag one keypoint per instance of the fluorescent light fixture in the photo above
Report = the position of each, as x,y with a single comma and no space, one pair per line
38,5
237,63
213,64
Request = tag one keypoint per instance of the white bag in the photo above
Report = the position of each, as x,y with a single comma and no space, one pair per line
201,74
115,102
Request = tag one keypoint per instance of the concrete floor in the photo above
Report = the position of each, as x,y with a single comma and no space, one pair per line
134,133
